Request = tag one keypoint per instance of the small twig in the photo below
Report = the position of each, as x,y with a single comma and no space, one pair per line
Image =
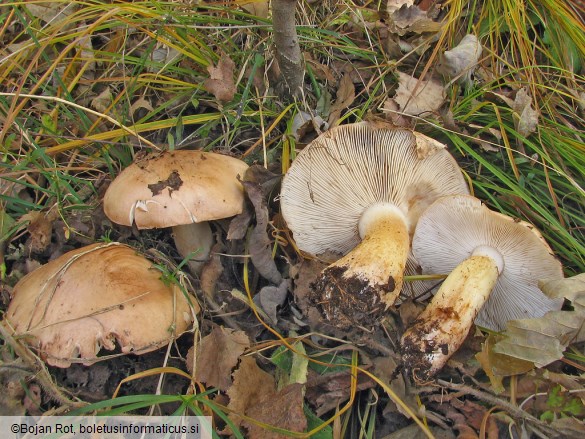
216,309
437,419
514,410
376,345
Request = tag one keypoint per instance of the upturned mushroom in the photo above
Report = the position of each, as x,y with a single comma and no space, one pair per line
180,189
358,190
101,295
494,263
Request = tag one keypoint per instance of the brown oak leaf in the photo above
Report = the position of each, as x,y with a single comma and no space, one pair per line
217,355
254,395
221,81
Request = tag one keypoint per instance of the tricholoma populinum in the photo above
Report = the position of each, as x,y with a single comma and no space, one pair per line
182,189
98,296
359,190
494,264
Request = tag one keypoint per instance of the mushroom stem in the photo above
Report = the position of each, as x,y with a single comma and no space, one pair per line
444,324
367,280
194,241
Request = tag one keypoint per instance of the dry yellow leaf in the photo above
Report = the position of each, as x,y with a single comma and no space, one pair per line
417,97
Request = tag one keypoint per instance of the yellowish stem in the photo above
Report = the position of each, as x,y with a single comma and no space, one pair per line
357,288
443,326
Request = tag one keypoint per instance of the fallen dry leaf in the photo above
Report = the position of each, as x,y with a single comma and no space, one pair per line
306,127
485,144
257,183
164,55
239,225
543,340
497,366
259,8
526,119
260,246
88,57
250,384
304,273
221,81
411,19
40,228
345,97
218,353
267,179
140,104
103,101
467,416
388,371
321,71
270,297
426,5
393,115
359,71
211,271
416,97
49,11
573,289
325,392
283,409
459,63
394,5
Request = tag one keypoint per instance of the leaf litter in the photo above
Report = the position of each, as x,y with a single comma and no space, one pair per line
459,63
221,79
526,116
217,355
228,358
543,340
418,97
255,395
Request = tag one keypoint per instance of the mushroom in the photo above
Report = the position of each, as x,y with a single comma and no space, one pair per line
358,190
179,189
494,263
93,297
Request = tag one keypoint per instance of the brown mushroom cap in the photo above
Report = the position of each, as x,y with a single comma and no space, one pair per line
93,297
175,188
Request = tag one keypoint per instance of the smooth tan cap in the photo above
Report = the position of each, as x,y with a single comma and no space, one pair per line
97,296
175,188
